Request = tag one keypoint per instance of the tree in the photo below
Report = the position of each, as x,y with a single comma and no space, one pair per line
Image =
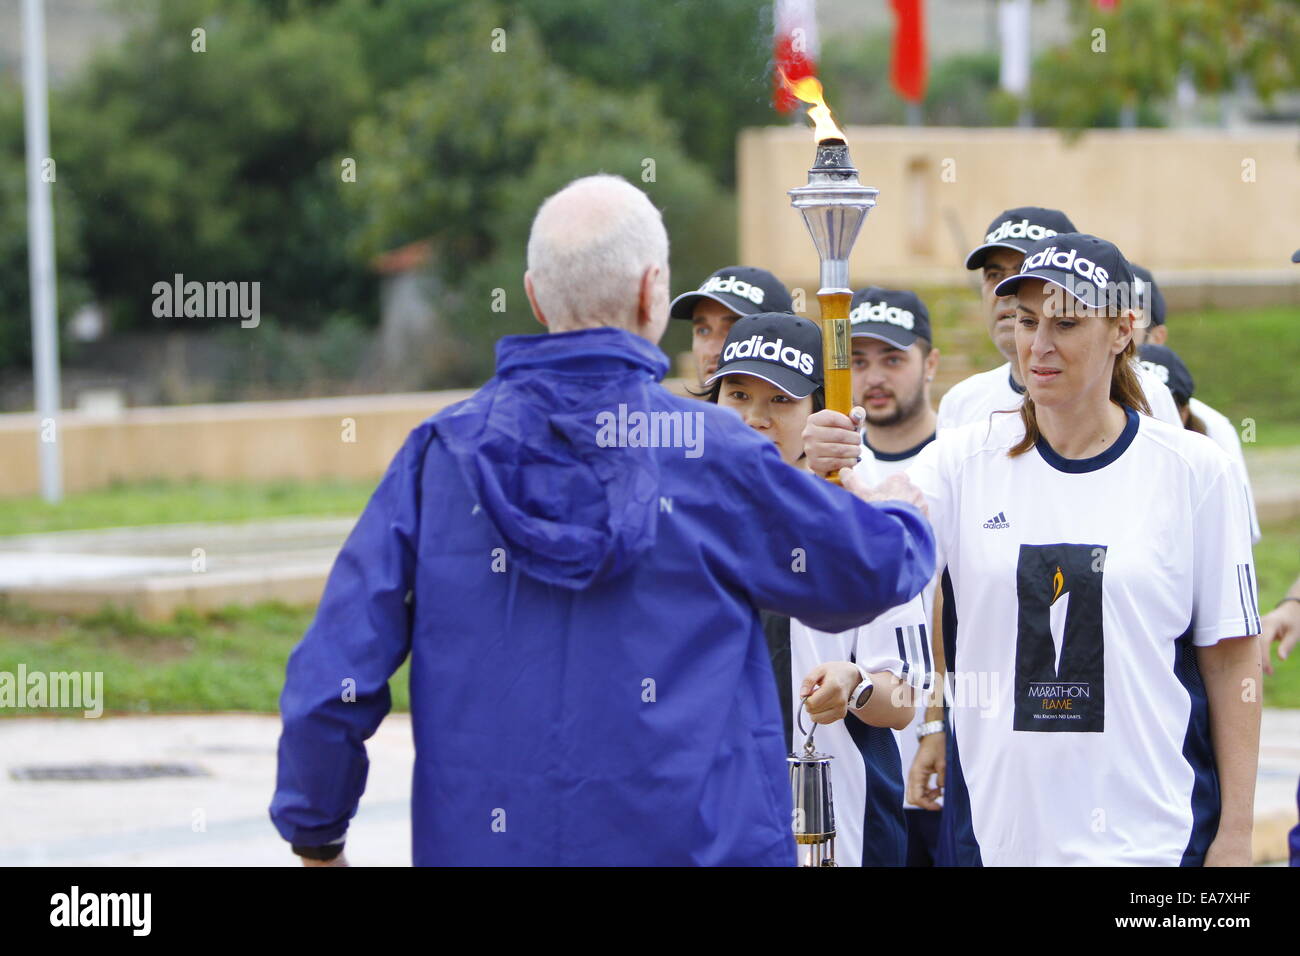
222,164
1128,59
465,153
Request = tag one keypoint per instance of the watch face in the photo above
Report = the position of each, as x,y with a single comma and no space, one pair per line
864,697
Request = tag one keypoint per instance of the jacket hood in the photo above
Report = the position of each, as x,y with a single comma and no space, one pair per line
571,510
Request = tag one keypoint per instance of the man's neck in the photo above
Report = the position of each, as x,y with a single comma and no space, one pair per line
892,439
1015,372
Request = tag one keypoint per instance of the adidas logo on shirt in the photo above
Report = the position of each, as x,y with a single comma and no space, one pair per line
1066,261
1018,230
883,312
756,347
999,520
735,287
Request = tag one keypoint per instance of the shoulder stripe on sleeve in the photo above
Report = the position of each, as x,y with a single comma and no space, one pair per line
1251,596
1241,596
925,651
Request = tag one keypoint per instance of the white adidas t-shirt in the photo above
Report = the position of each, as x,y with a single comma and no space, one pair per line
1219,428
899,642
874,468
1080,729
975,398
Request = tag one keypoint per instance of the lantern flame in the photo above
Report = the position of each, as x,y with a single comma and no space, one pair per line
809,89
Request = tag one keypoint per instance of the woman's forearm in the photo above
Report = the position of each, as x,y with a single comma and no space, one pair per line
892,703
1231,673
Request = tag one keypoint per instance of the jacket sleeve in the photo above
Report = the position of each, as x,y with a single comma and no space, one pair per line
815,552
336,685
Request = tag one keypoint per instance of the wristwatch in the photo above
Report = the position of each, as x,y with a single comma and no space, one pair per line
862,693
928,728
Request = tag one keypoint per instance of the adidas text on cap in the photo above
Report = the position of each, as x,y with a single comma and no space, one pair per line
744,290
1093,271
1164,364
781,348
896,316
1019,229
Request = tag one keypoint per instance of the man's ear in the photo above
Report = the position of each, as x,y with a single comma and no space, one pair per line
645,301
931,363
532,299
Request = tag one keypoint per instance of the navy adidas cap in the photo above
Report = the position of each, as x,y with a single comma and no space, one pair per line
1149,296
778,347
1092,270
1295,256
895,316
1164,363
1018,229
744,290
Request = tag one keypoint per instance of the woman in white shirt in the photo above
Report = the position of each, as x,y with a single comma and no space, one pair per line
1104,708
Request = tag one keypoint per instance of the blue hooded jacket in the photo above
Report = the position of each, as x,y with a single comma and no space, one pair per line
589,680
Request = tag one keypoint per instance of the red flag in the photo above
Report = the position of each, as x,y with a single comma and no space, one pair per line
908,70
794,48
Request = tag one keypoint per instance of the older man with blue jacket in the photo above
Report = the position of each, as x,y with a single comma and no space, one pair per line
574,559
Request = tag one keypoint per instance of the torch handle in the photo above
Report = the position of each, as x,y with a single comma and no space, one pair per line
837,352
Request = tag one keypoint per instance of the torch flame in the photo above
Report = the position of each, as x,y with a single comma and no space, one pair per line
809,89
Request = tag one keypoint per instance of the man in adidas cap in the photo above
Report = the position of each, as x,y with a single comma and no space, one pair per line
1008,237
894,362
1152,328
722,298
1154,331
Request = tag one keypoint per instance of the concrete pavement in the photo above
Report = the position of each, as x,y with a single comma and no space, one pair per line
220,819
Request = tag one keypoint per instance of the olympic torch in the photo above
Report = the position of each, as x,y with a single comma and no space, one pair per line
833,204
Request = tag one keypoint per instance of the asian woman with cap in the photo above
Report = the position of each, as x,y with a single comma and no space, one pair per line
1098,586
769,372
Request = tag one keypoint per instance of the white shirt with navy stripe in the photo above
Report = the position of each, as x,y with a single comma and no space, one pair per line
1080,731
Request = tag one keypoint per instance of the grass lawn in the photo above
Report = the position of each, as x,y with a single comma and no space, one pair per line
160,502
228,660
234,659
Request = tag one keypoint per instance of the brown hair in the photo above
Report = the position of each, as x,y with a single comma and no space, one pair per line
1125,388
1194,424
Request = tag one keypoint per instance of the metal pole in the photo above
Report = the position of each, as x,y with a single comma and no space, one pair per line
40,251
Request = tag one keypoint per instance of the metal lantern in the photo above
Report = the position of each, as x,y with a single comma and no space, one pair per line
814,808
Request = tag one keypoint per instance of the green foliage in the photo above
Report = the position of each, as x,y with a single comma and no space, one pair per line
1148,43
855,73
466,153
219,165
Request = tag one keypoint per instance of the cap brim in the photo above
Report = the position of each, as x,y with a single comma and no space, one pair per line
1067,281
892,334
683,306
786,379
976,259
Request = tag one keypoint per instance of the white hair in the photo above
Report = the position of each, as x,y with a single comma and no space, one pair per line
589,245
